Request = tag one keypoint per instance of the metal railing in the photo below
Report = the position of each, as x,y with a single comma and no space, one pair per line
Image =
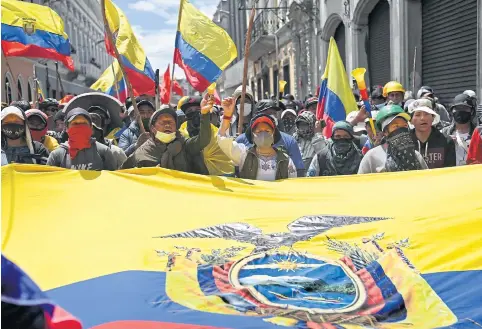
266,23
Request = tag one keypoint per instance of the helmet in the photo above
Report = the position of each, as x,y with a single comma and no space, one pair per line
391,87
187,101
390,110
249,93
311,101
48,102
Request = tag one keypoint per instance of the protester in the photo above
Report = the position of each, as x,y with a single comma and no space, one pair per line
49,106
478,105
248,111
81,151
17,142
128,139
286,143
166,147
263,160
59,120
437,149
394,92
474,154
340,157
398,153
98,133
427,93
21,104
311,104
310,140
376,98
37,123
464,112
289,118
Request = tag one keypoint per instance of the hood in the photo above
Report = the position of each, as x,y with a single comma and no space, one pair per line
18,112
249,133
239,90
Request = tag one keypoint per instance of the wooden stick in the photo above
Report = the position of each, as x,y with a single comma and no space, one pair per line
156,89
119,59
35,86
245,71
179,15
413,70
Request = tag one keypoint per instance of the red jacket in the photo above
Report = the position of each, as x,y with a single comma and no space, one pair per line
474,156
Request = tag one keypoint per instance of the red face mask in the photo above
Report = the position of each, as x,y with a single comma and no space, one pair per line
79,139
38,134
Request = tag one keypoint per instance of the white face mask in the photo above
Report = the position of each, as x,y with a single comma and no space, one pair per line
165,138
247,109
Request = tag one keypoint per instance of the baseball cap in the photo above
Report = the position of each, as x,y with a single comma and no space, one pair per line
463,100
389,120
77,112
262,119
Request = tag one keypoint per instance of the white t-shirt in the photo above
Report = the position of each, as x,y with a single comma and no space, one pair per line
266,165
462,142
375,160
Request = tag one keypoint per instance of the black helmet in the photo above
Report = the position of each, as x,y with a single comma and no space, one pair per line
266,104
47,103
22,104
310,101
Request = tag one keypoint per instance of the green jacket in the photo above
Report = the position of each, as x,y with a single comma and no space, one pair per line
250,167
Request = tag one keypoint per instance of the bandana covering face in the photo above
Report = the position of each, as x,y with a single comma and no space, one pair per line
401,152
289,123
345,163
79,139
309,118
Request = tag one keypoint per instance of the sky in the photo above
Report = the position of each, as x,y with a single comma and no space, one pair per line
155,22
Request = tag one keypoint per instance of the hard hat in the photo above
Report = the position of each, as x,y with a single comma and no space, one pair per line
391,112
391,87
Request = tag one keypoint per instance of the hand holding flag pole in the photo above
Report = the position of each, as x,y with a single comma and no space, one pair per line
359,75
121,66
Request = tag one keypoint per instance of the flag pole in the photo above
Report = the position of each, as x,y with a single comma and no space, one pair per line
121,66
245,70
156,88
59,80
179,15
35,87
116,86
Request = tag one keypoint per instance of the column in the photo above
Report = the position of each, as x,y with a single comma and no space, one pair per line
271,80
399,55
324,45
356,52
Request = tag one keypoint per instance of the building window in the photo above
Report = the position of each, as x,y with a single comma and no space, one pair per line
29,91
54,93
8,88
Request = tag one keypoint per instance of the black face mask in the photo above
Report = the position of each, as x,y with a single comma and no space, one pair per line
193,123
13,130
289,123
462,117
342,146
98,134
401,154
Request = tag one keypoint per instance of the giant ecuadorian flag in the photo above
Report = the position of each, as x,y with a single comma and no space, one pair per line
175,250
335,99
31,30
203,49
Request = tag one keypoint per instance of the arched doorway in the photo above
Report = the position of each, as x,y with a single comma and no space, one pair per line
29,91
20,88
379,43
449,47
8,88
340,41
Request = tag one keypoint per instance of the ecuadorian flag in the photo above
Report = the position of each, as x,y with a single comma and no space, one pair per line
31,30
136,64
196,252
112,83
335,99
203,49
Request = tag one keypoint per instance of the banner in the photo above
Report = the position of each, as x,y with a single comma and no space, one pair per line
155,248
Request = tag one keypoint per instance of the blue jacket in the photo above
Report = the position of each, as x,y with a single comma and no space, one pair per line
288,143
128,139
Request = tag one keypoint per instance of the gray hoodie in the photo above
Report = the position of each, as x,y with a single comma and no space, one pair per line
97,157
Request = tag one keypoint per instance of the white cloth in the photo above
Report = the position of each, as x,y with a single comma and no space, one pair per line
375,159
266,165
462,142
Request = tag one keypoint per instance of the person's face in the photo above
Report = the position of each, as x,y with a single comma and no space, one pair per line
103,121
78,121
370,131
263,127
165,123
396,97
311,108
51,110
145,111
341,134
395,124
422,121
59,126
36,123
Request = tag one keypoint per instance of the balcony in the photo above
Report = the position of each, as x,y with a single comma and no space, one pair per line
265,26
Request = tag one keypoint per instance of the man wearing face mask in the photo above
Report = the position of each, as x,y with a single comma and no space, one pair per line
310,142
398,153
17,140
249,104
262,161
287,142
98,133
166,147
81,151
340,157
128,139
463,110
37,122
